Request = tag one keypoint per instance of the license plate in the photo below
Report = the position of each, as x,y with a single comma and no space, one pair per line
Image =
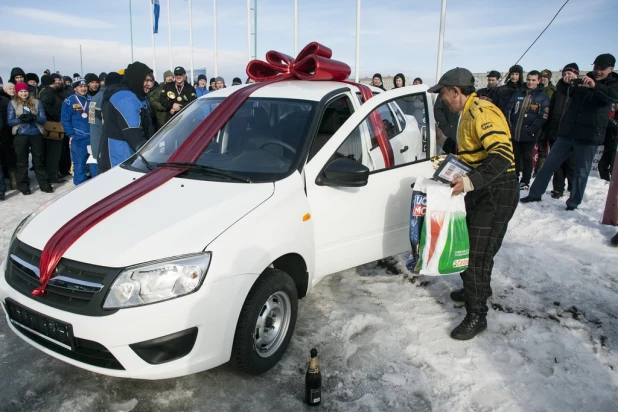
53,330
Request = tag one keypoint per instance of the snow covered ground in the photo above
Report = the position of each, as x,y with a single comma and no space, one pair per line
383,336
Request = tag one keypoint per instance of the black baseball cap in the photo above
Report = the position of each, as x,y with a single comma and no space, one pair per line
606,60
458,76
494,73
179,71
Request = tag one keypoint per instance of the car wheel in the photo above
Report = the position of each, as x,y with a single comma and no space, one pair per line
266,323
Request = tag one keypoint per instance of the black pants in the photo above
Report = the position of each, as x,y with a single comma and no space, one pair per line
25,144
565,171
64,166
7,156
606,164
523,159
489,211
53,151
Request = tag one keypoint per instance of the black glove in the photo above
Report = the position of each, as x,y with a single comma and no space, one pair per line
27,118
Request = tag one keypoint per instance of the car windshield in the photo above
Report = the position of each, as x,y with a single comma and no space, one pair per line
262,141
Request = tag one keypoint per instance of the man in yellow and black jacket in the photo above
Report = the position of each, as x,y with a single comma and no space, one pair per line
492,190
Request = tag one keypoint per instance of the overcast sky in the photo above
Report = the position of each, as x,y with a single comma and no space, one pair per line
396,35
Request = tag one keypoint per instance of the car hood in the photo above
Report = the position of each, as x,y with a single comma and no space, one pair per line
181,216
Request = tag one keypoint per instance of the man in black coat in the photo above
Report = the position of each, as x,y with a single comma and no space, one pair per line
490,93
178,94
557,109
514,85
582,128
51,97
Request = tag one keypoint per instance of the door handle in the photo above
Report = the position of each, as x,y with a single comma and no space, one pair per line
403,149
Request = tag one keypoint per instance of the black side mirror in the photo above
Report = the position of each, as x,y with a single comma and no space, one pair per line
343,172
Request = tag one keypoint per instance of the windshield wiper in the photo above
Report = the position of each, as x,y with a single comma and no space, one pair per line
146,162
207,169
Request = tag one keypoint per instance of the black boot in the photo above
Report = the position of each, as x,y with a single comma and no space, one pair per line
472,325
2,196
615,240
529,199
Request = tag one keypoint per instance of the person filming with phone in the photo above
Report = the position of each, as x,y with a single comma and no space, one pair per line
581,129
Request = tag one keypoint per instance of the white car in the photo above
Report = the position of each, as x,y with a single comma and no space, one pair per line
208,268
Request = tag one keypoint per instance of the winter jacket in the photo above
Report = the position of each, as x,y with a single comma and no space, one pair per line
447,122
201,92
484,142
557,108
172,95
491,93
33,128
526,113
549,90
155,105
52,102
74,124
506,92
6,137
588,113
94,119
127,124
611,133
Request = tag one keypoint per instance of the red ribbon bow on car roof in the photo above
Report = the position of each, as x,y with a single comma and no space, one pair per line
312,63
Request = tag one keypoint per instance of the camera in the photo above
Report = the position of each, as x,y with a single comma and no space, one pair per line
576,82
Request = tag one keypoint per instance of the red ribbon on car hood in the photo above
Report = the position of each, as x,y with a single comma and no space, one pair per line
314,63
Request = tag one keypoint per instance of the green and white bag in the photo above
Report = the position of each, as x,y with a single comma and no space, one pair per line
444,246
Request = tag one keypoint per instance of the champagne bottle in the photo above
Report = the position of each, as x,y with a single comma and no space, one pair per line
313,381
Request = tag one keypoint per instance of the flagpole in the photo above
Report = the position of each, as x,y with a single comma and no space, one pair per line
154,55
191,38
169,33
214,16
295,28
131,28
441,40
357,62
249,28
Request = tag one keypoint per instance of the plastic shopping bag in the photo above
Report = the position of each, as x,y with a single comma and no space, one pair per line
417,217
444,246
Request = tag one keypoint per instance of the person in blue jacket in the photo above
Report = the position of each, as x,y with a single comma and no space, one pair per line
127,122
201,88
526,113
26,117
74,119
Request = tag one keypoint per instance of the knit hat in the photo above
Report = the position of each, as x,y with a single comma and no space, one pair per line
55,76
46,80
112,78
201,77
418,79
571,67
78,81
66,79
212,80
220,79
21,86
236,81
167,74
32,76
91,77
102,76
76,75
546,73
378,75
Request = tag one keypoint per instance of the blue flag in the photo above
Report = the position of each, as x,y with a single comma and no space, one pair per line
156,9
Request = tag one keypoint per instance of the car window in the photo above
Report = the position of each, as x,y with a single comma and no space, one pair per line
336,112
262,141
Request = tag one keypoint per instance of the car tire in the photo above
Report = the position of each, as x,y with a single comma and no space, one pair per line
266,323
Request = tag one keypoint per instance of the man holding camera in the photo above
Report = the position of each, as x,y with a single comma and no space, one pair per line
582,128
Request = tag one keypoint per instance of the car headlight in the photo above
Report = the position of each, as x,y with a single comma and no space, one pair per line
158,281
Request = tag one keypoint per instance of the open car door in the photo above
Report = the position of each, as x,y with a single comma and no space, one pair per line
358,220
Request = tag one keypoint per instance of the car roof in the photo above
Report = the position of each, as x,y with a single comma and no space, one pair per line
292,89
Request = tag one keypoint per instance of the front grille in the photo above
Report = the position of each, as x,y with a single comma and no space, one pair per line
77,287
86,351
